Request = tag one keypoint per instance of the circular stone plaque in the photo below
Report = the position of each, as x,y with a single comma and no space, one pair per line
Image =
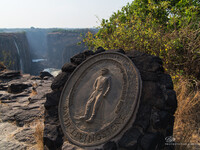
100,99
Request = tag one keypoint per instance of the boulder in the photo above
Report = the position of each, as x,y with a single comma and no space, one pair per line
17,87
68,67
45,74
10,74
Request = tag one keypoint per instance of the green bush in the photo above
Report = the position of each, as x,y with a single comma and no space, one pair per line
166,29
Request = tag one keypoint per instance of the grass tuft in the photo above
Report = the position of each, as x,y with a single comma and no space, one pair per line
39,129
187,120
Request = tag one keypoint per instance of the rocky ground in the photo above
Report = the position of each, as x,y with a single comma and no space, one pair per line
22,99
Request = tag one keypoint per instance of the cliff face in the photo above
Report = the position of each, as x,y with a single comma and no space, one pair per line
37,42
62,46
14,51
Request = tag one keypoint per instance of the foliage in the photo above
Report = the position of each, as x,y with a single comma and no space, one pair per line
168,29
7,59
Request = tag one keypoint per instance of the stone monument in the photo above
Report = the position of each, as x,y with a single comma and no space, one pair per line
110,100
100,100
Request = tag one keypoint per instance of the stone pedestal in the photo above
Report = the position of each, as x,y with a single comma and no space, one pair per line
154,120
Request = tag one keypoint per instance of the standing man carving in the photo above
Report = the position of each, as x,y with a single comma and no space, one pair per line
101,88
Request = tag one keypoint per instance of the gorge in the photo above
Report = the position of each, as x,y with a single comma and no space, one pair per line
33,50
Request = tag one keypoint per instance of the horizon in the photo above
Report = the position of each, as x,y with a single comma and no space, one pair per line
64,14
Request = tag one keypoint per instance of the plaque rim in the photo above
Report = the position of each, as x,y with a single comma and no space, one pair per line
126,124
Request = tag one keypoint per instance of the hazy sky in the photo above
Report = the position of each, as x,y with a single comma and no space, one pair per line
56,13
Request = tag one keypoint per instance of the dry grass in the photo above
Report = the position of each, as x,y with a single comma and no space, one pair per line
39,129
187,116
33,92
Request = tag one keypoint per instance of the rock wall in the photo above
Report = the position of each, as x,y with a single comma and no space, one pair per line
154,121
62,46
37,40
14,51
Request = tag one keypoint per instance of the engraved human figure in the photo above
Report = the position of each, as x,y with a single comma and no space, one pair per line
101,88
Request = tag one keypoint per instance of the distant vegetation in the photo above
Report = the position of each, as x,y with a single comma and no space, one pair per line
170,30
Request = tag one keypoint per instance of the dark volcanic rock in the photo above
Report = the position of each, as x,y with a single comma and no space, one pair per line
3,86
99,50
10,74
52,99
150,141
88,52
27,116
166,80
68,67
117,51
59,80
129,139
77,59
45,74
53,136
17,87
35,78
110,146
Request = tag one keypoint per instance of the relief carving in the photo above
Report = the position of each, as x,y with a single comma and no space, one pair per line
101,88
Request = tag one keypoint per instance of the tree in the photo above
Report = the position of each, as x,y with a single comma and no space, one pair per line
164,28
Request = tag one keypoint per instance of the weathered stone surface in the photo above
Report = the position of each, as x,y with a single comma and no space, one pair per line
26,135
3,86
23,117
17,87
149,76
6,128
117,51
6,145
10,74
60,80
150,141
45,74
52,99
7,142
69,146
110,146
68,67
35,78
99,50
171,100
166,80
152,94
17,111
88,52
143,117
77,59
130,139
161,119
53,136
